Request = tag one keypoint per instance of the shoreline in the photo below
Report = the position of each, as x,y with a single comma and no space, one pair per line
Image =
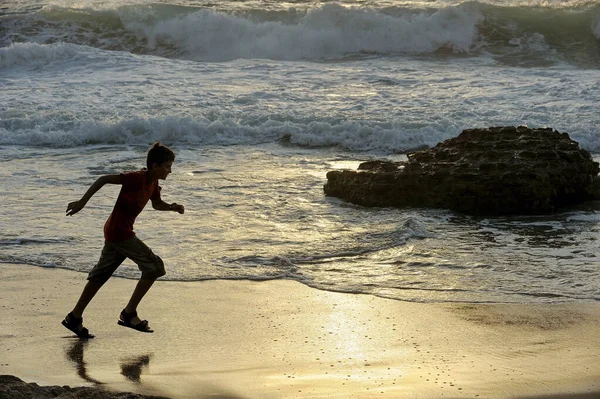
282,339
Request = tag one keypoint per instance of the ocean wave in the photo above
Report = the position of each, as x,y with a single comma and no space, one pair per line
518,35
584,217
328,31
349,135
36,55
372,244
356,136
32,54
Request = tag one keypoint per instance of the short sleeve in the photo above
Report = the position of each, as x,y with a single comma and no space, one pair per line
131,181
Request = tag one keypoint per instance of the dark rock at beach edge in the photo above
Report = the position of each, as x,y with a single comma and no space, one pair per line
492,171
12,387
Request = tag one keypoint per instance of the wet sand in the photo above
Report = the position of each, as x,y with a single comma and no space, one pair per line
281,339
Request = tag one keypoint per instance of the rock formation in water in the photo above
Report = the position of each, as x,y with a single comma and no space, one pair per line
494,171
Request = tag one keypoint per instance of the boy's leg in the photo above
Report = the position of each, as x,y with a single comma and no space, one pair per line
140,290
110,259
89,291
151,266
73,321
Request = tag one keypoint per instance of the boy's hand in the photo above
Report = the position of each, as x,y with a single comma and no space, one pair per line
74,207
177,208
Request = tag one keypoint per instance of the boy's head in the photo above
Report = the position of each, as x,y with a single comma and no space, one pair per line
159,154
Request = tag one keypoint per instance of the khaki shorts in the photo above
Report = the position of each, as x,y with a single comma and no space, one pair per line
114,253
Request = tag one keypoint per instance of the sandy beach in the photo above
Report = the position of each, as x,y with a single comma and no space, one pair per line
281,339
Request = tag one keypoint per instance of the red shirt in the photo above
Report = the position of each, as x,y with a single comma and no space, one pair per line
135,192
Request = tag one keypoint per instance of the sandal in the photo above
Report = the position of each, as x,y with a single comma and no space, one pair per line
125,321
75,325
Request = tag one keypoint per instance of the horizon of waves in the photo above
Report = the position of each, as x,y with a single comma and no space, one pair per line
512,35
392,137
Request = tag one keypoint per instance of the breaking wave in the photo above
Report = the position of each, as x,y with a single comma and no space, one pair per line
360,136
350,135
521,35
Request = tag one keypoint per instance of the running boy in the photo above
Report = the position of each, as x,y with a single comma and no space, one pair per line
120,240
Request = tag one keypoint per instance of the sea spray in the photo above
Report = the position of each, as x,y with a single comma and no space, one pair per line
33,54
318,133
329,31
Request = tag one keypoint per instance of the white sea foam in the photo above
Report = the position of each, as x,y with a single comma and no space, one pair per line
109,97
55,55
325,32
592,218
398,137
36,54
322,31
348,135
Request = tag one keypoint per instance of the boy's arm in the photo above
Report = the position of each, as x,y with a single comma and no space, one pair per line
161,205
76,206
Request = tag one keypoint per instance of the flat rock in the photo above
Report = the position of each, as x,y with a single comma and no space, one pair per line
12,387
493,171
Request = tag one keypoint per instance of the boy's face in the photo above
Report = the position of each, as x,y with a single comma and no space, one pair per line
162,170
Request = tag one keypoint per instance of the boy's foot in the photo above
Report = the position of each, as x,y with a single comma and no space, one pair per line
131,320
75,324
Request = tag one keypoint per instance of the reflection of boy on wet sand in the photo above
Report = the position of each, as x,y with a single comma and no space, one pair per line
75,354
132,369
137,188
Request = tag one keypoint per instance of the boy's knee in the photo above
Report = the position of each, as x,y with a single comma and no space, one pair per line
154,271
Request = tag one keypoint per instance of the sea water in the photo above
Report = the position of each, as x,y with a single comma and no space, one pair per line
260,99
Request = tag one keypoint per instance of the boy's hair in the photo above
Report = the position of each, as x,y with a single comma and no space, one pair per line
159,153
